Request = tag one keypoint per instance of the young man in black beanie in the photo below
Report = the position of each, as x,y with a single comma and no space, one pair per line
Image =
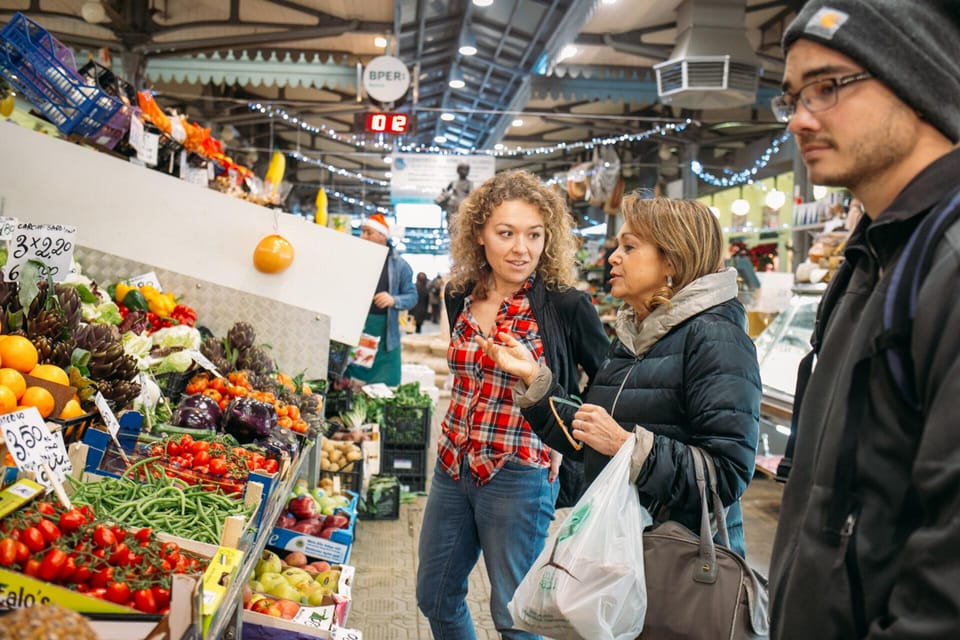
868,541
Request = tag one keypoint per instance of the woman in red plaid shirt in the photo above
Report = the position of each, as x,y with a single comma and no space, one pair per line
495,483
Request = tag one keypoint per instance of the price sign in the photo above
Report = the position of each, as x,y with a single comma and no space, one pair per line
34,448
339,633
50,245
7,227
24,431
149,278
106,413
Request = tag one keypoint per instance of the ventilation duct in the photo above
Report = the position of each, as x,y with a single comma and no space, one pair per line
713,65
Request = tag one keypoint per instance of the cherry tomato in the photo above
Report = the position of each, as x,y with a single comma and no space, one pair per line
32,568
120,555
201,459
8,552
270,465
23,552
68,570
72,520
143,535
218,466
103,537
173,448
82,575
144,600
200,445
162,596
32,537
118,592
52,564
101,578
50,531
46,508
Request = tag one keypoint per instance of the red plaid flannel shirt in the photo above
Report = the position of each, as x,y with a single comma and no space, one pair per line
482,421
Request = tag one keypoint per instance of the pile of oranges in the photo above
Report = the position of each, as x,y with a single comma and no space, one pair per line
17,357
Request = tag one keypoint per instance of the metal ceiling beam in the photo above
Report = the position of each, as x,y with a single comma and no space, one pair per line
272,71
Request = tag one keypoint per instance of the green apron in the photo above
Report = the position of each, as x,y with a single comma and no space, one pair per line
386,364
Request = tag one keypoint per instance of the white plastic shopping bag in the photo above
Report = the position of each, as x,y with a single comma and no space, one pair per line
588,584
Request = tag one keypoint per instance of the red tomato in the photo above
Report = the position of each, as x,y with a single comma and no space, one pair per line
173,449
103,537
8,552
162,596
50,531
144,600
52,564
32,537
46,508
72,520
32,568
201,459
81,575
67,571
200,445
120,555
143,535
118,592
23,552
218,466
270,465
101,578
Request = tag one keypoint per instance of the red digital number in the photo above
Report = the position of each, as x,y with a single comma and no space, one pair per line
393,123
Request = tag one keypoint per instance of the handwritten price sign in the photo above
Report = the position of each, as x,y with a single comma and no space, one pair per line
31,445
50,245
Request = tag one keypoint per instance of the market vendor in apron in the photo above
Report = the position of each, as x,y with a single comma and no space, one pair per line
395,292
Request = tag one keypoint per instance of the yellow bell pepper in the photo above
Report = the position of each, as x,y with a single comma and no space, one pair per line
121,291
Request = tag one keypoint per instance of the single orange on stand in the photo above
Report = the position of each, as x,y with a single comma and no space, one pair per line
13,379
8,399
40,398
19,353
273,254
71,409
51,373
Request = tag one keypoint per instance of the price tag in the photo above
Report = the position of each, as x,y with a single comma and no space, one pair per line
56,457
204,362
149,278
23,432
107,414
49,244
135,136
7,227
146,144
339,633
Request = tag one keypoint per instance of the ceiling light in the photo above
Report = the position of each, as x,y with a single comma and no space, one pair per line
517,123
608,1
380,41
468,43
456,78
93,12
388,175
440,139
446,116
483,3
388,159
740,207
775,199
567,52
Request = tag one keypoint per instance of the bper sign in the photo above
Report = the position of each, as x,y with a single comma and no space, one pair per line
386,79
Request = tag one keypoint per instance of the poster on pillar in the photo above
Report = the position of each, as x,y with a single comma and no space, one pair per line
420,178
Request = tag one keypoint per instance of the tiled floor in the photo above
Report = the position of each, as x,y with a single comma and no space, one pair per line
385,556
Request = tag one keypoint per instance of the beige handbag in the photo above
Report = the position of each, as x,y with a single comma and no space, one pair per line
697,590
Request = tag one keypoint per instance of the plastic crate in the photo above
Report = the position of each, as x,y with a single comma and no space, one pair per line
337,402
412,482
351,480
44,71
338,359
74,428
405,425
403,461
382,503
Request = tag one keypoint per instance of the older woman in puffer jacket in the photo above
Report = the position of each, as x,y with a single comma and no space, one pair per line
681,371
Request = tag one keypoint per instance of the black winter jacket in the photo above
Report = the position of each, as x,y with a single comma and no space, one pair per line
699,384
898,562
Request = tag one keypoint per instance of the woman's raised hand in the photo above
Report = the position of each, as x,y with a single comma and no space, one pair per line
510,355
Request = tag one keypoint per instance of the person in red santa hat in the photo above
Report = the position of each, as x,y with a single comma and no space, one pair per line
395,292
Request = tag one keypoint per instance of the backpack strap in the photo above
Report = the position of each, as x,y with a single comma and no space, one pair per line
892,348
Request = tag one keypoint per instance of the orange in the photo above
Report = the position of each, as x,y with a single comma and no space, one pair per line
51,373
19,353
273,254
40,398
14,380
71,409
8,399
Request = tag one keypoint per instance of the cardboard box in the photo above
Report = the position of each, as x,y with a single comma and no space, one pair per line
335,550
318,622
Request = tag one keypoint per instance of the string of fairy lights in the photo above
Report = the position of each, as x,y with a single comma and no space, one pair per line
727,177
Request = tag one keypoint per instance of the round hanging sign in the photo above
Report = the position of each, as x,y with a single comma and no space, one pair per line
386,78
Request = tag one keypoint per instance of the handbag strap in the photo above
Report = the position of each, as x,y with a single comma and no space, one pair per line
705,469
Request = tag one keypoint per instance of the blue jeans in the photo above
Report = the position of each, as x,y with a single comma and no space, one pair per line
507,518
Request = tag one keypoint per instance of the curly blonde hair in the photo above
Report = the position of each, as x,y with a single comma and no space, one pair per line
686,233
469,263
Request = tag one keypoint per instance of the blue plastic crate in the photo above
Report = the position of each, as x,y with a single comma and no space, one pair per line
44,71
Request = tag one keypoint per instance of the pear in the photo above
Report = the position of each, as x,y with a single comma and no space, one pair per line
269,563
296,576
312,594
285,591
269,580
329,580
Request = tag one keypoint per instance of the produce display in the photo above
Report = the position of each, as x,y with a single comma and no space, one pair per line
75,549
315,512
151,494
293,579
